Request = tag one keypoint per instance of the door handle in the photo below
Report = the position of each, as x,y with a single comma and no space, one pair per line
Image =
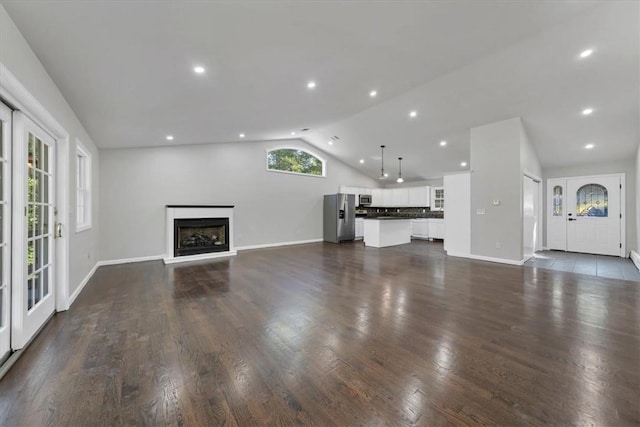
572,219
58,231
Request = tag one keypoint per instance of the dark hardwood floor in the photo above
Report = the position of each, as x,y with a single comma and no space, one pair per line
325,334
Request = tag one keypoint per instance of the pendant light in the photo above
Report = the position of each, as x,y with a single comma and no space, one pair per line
400,170
382,174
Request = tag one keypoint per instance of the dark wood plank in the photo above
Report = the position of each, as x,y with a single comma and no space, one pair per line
326,334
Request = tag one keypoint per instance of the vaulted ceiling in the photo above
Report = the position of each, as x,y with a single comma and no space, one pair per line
126,68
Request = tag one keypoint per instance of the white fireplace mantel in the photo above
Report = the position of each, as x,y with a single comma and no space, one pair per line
196,211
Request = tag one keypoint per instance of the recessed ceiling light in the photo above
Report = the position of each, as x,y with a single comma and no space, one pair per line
293,133
443,143
589,146
311,85
413,114
463,164
330,142
587,111
386,175
198,69
242,135
169,137
361,160
586,53
373,93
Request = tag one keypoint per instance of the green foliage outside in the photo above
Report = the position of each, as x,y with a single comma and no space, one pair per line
33,213
292,160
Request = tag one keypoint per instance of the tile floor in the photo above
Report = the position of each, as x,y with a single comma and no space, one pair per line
594,265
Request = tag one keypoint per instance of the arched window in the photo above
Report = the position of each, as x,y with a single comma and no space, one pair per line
592,200
294,160
557,200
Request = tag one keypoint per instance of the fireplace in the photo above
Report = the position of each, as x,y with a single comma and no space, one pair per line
198,232
195,236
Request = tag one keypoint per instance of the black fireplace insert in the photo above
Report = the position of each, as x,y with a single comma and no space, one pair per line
195,236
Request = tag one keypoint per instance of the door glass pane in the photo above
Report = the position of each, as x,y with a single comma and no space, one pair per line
557,200
45,157
29,293
592,200
37,288
31,257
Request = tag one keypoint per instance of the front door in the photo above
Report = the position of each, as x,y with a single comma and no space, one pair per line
593,215
33,299
5,231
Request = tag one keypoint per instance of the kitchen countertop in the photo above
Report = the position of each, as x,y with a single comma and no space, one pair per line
387,218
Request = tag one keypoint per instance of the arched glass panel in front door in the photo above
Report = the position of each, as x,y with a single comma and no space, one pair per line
592,200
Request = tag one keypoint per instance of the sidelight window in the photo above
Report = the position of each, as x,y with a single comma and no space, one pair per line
592,200
295,160
557,200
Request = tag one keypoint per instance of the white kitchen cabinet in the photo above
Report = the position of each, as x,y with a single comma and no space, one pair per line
436,228
399,197
437,198
377,198
359,228
349,190
419,197
420,228
386,198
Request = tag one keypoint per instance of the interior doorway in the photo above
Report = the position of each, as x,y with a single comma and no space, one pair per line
530,216
585,214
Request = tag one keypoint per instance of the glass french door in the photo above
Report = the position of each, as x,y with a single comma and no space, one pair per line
33,299
5,231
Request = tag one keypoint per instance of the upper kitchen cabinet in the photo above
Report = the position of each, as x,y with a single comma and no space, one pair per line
377,197
399,197
437,197
414,197
419,197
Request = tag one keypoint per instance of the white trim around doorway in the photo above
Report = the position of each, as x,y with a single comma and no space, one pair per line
19,97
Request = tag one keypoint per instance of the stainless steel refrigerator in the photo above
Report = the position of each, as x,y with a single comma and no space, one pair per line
339,217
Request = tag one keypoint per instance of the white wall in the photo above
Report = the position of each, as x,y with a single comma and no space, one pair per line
628,167
457,188
19,59
496,175
270,207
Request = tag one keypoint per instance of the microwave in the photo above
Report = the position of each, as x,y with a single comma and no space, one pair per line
364,200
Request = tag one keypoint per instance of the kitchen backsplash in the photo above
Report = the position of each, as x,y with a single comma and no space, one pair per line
406,212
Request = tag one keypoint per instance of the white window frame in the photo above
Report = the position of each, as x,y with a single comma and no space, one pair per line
83,186
292,147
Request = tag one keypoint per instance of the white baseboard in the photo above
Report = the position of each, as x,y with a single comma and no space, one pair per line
199,257
273,245
635,257
129,260
84,282
487,258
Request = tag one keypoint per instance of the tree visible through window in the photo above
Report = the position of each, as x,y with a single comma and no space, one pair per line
295,160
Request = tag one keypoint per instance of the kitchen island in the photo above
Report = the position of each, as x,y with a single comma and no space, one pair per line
387,231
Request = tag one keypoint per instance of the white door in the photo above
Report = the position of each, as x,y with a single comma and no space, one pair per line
33,296
556,214
593,215
5,231
529,216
